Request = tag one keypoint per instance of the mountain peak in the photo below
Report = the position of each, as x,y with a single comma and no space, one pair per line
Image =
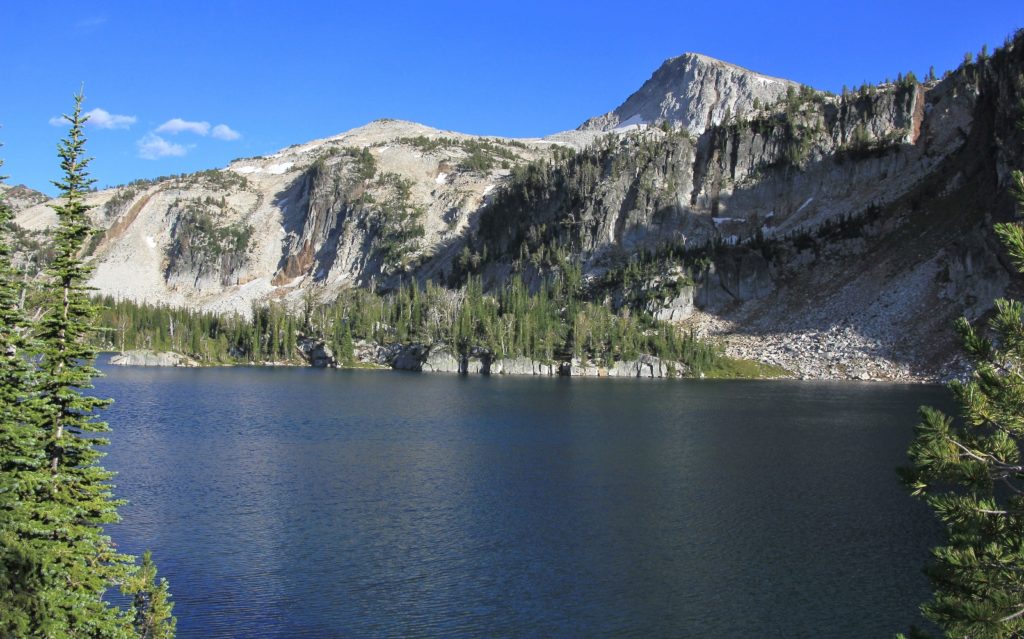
695,91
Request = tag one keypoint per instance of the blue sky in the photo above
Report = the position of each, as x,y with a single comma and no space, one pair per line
191,85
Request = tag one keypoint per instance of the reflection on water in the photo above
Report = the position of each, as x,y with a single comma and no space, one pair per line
305,503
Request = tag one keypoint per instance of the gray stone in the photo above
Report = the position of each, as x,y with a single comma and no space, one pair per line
441,360
316,352
696,92
151,358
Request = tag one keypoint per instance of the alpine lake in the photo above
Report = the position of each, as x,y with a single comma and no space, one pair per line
295,502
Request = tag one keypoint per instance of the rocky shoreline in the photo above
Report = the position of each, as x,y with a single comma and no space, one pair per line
441,359
836,354
152,358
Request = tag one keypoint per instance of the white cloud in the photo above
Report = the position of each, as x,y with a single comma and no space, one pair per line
101,119
224,132
152,147
105,120
177,125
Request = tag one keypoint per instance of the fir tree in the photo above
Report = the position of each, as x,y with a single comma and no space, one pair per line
971,473
57,563
67,498
151,605
21,459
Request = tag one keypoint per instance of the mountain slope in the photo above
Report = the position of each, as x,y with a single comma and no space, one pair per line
835,235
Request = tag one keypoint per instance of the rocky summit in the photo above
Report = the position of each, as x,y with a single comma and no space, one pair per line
695,92
836,236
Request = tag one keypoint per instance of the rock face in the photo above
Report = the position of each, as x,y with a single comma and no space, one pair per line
440,359
360,208
151,358
316,353
675,309
695,92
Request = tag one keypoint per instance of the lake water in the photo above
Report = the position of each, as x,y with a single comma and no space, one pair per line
313,503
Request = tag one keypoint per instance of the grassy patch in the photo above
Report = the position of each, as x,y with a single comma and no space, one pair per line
728,368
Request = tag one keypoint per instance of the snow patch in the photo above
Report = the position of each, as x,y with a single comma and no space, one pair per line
804,205
630,123
441,177
273,169
150,242
278,169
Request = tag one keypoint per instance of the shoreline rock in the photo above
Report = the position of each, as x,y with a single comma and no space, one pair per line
441,359
152,358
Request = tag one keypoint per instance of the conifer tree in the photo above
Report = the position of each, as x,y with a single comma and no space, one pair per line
66,496
971,473
151,605
21,457
57,563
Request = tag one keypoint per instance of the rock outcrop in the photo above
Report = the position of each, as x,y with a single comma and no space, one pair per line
441,359
151,358
316,353
695,92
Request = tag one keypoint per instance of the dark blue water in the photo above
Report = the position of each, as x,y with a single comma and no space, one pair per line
305,503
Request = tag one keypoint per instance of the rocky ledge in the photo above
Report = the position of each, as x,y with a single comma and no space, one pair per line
151,358
441,359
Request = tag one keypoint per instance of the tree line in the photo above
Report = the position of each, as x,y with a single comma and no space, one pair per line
553,321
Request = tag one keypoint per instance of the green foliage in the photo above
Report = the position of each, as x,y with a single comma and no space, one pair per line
201,242
21,456
222,179
970,472
725,368
119,201
151,605
361,160
547,204
861,144
56,562
364,163
68,497
555,322
399,222
552,323
482,155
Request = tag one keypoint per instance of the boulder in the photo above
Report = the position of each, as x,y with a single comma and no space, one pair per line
405,357
316,352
